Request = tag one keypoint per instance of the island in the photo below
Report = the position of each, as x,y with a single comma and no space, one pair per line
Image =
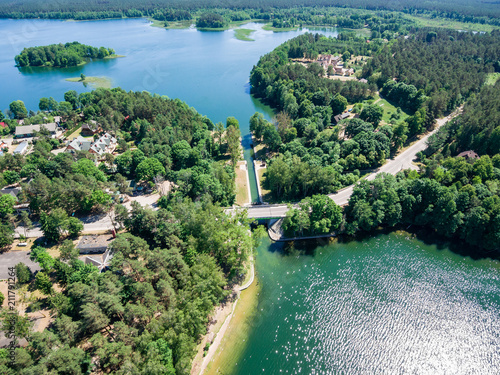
62,55
94,82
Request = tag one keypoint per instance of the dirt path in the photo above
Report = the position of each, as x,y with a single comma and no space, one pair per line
216,330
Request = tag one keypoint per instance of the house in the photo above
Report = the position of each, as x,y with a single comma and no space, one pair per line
22,148
349,72
362,80
341,117
468,155
94,244
3,125
106,144
102,262
29,130
13,191
89,129
80,144
338,69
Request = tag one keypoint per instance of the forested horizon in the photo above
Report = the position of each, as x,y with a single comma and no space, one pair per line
129,8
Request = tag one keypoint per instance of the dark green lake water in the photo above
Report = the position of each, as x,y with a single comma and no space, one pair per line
388,305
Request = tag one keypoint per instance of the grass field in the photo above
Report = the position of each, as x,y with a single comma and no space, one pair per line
449,24
492,78
241,186
94,82
243,34
389,109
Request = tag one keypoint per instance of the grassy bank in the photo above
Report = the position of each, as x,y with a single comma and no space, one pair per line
243,34
113,57
234,342
450,24
95,82
492,78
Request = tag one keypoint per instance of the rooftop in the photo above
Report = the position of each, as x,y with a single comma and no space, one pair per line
95,243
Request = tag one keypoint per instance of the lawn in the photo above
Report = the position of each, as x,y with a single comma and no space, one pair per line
241,186
492,78
243,34
95,82
260,150
75,134
389,109
449,24
266,194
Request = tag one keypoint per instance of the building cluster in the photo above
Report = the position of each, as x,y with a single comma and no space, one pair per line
105,144
336,63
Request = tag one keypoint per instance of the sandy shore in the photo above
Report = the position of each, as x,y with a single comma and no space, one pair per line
218,326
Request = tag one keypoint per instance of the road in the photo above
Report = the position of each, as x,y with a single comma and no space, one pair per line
402,161
11,258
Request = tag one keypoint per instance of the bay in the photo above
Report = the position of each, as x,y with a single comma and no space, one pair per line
209,70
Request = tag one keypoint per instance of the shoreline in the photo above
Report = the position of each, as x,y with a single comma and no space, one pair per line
223,313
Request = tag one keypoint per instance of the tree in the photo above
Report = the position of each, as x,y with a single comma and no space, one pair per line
329,71
257,125
272,138
233,143
11,177
74,227
372,113
231,121
219,132
7,203
23,273
2,298
6,235
149,168
346,56
54,224
18,109
43,283
338,104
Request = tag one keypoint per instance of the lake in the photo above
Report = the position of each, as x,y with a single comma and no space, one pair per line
388,304
208,70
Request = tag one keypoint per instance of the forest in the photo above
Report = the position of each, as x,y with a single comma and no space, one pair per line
413,72
158,139
146,313
456,197
170,267
462,10
60,55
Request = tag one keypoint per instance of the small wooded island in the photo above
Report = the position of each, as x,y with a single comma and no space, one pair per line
62,55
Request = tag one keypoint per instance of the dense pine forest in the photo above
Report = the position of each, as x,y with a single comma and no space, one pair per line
145,314
283,13
60,55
